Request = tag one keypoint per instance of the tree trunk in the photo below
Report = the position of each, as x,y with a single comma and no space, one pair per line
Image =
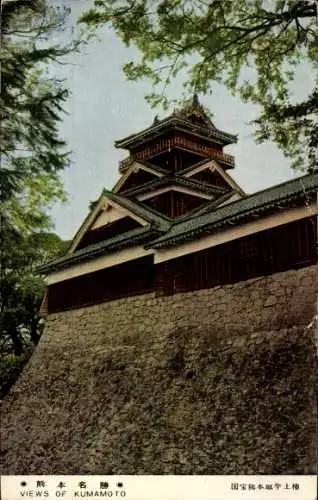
34,332
17,341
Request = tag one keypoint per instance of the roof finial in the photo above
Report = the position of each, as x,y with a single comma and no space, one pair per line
156,119
195,100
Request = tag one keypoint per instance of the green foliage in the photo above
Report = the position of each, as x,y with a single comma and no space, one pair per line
21,288
31,152
32,156
22,291
223,41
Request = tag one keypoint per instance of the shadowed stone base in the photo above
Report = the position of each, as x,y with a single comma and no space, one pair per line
218,381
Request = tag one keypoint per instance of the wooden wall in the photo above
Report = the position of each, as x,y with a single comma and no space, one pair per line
279,249
289,246
131,278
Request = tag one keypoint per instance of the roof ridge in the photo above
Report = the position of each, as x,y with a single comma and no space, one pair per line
201,183
174,119
196,211
213,203
228,208
96,247
136,189
195,165
143,211
290,181
150,209
159,214
154,167
276,186
174,178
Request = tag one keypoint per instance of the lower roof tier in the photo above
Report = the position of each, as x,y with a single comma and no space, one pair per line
166,237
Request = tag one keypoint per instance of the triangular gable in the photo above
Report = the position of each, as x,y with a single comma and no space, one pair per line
213,167
137,173
106,211
210,177
175,187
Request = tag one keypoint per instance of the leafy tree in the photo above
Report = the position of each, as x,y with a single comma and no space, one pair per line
254,47
22,292
32,156
21,288
31,152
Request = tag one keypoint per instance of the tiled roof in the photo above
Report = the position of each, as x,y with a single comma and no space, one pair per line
137,208
211,205
155,168
175,180
157,224
131,238
130,161
175,121
194,166
238,210
163,231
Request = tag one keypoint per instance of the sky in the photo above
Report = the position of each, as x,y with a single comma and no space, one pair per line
105,107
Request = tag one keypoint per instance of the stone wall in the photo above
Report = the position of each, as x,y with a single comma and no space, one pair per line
218,381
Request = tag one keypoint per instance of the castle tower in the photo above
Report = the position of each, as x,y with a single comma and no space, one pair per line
167,167
175,187
179,324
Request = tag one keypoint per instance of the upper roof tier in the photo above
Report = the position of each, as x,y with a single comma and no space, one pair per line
192,119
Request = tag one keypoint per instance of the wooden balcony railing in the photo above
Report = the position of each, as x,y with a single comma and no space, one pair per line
165,145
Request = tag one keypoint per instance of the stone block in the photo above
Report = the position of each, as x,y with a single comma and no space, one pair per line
270,301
